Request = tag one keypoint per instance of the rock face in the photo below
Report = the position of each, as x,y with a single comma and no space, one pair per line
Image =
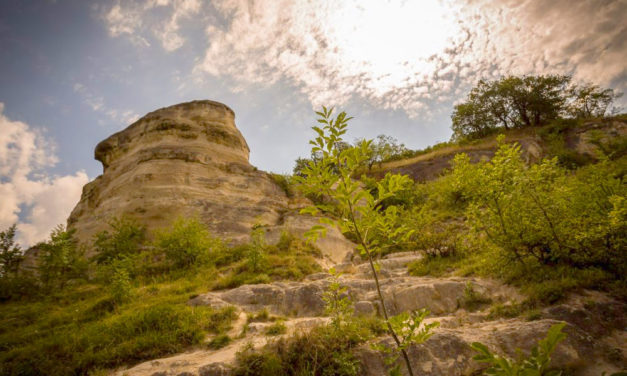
595,342
188,160
581,140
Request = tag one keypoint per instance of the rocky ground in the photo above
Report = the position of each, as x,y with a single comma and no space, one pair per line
596,342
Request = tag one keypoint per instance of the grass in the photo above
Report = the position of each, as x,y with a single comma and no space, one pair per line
82,329
325,350
541,284
289,259
219,341
472,300
276,329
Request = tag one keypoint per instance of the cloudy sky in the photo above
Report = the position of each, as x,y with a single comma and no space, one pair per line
73,72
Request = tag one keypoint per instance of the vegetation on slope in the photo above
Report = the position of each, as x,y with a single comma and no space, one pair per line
549,227
129,302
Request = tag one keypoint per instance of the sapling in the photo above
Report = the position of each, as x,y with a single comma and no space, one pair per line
357,211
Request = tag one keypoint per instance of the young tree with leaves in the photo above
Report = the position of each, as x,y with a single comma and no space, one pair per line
61,260
10,253
356,210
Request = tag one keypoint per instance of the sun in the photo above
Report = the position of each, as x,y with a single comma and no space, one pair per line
392,40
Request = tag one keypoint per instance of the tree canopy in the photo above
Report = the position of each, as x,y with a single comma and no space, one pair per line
527,101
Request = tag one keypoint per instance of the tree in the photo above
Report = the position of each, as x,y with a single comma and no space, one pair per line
10,253
61,259
543,213
382,149
510,102
590,100
469,120
357,211
256,253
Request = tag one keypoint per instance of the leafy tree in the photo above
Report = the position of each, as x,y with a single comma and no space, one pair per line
187,242
357,211
537,364
125,239
10,253
338,304
542,212
256,253
470,120
120,281
590,100
61,260
382,149
509,102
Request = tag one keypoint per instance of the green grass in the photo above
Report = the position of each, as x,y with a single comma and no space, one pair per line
219,341
325,350
82,328
541,284
276,329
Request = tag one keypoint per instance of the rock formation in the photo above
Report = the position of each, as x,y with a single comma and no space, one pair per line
189,160
594,344
581,140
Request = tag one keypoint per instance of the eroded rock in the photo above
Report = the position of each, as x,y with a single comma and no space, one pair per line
190,160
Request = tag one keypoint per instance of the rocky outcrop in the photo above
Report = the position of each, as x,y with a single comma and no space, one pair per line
582,140
189,160
595,340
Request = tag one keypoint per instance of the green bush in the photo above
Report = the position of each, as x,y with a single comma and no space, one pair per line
543,213
125,239
256,255
60,259
219,341
187,242
284,181
276,329
323,351
537,364
120,284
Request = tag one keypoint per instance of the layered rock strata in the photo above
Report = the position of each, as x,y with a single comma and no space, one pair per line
188,160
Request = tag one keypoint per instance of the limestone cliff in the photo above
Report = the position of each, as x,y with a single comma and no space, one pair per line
188,160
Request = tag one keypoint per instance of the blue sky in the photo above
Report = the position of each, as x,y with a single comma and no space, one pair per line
72,72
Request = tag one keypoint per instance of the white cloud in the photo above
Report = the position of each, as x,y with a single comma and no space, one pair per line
401,55
404,55
97,104
135,20
40,200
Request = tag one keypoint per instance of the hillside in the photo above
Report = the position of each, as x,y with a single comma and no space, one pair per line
573,143
183,259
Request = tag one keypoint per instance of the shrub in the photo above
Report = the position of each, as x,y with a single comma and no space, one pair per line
544,214
187,242
362,213
126,238
536,364
322,351
120,284
284,181
338,304
256,255
276,329
219,341
60,259
10,253
472,300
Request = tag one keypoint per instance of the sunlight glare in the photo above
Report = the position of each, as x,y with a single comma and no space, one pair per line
406,35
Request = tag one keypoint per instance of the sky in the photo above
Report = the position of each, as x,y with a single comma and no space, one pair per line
72,72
